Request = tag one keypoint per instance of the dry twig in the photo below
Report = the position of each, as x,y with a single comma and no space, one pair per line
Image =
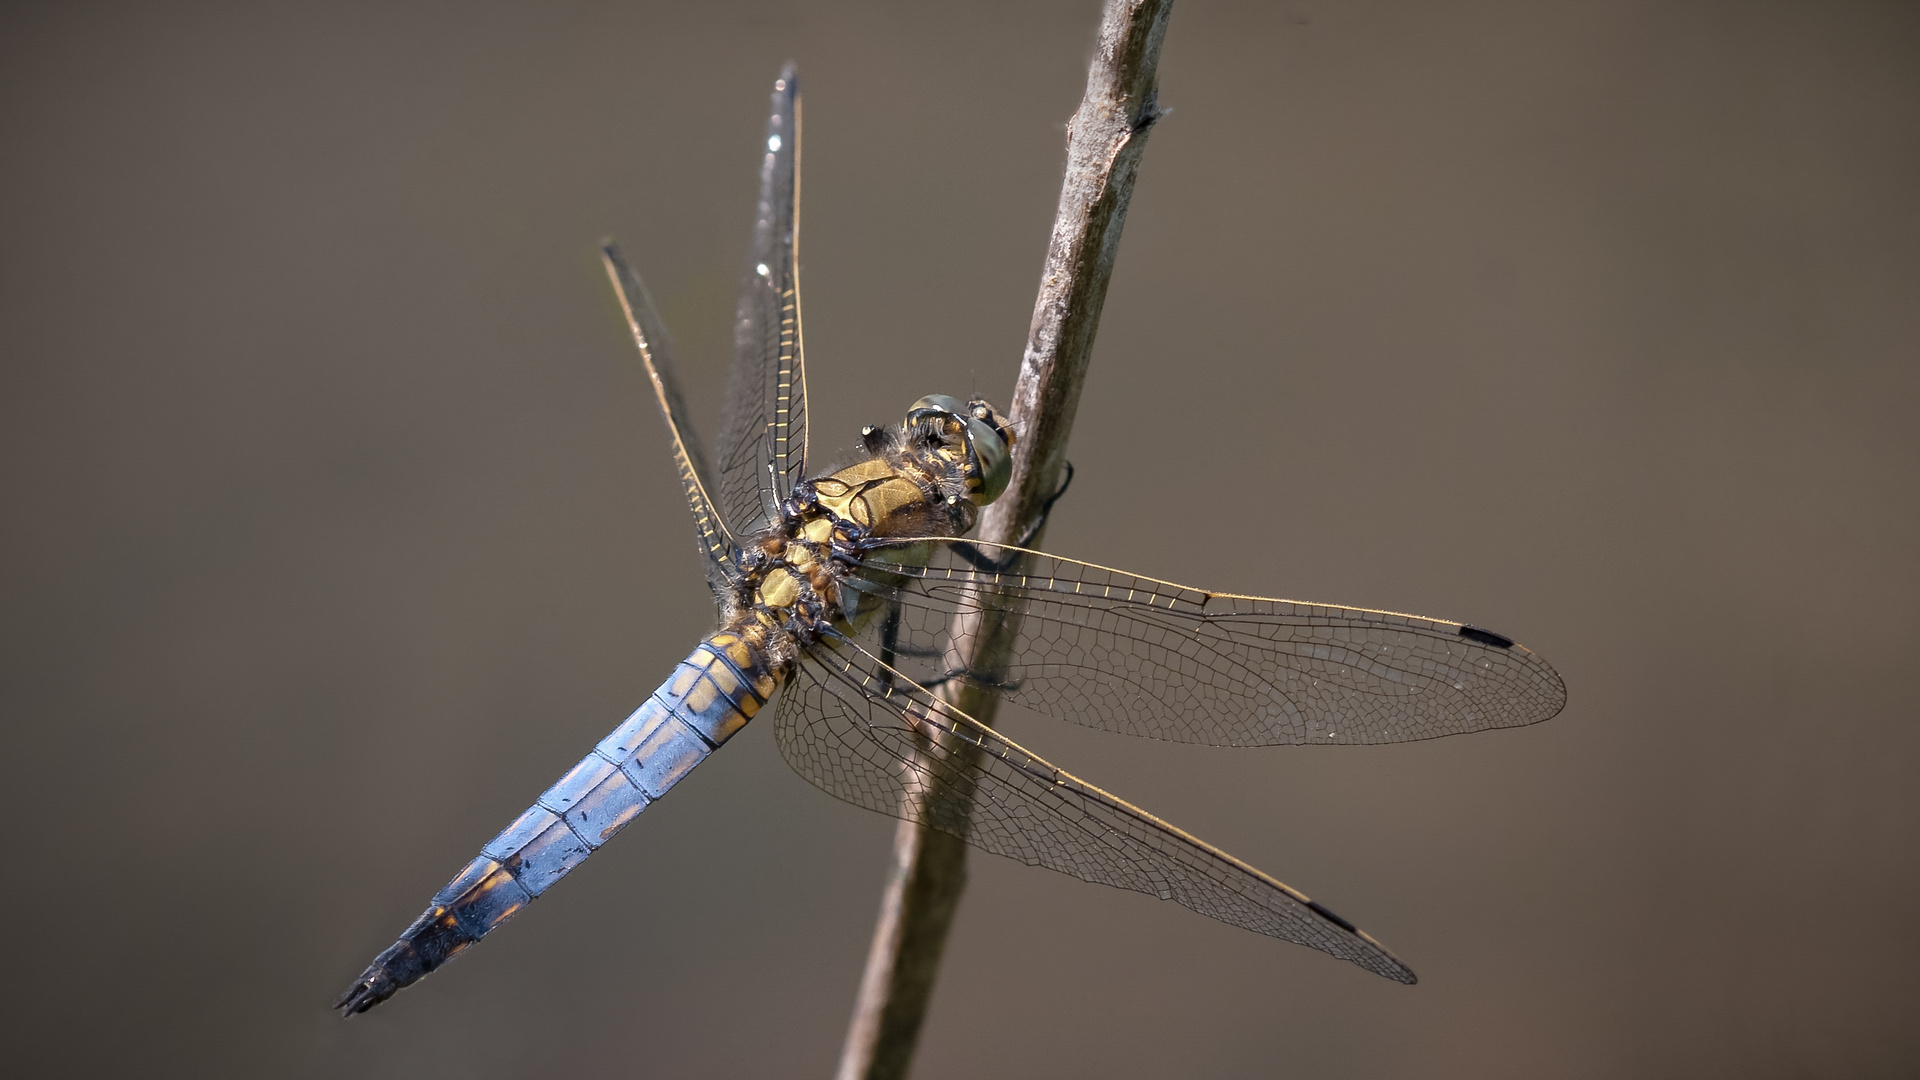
1105,140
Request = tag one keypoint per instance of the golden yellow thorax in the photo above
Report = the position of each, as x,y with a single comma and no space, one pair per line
868,494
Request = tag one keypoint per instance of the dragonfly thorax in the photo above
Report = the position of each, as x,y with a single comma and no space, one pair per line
927,477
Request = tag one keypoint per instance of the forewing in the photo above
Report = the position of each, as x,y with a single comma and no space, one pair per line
718,551
855,728
763,441
1132,654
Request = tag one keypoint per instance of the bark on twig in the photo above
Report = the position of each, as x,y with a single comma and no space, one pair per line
1105,140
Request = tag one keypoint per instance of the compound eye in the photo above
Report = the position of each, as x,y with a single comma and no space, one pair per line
934,405
992,464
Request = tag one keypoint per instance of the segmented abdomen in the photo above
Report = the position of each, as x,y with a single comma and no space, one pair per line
711,695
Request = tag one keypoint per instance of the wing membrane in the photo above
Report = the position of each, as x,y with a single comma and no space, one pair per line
718,551
1132,654
859,730
763,443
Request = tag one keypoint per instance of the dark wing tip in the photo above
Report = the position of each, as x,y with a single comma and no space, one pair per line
1548,681
610,255
1378,960
1324,912
1485,637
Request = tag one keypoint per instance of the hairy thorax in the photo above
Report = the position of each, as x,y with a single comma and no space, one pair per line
921,479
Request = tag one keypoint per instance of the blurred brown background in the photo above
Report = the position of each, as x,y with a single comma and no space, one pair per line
338,522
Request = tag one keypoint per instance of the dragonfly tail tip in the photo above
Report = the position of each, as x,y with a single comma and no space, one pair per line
371,988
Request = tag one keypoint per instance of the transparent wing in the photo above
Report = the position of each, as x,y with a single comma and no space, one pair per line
1144,657
718,552
855,728
763,441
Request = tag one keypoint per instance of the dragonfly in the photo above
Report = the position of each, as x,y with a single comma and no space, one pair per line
835,595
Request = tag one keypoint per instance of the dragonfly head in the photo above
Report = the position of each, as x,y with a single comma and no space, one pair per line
986,434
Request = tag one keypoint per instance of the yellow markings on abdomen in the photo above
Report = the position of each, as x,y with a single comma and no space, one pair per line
720,687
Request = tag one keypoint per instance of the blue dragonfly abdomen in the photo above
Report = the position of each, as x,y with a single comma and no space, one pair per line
709,696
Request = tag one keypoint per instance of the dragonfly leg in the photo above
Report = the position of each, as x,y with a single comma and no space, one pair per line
979,560
890,642
1005,686
1046,509
916,651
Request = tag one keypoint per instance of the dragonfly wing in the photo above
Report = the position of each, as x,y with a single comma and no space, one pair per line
719,553
763,441
1132,654
856,728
